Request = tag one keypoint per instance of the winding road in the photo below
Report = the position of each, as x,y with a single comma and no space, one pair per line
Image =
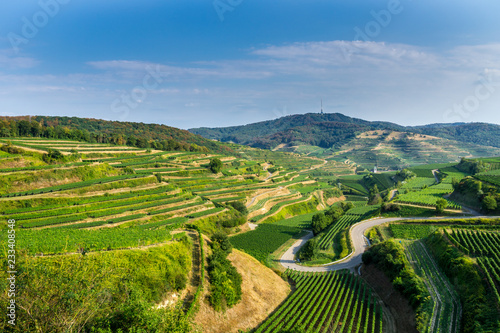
359,241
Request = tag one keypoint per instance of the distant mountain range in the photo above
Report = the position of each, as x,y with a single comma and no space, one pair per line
333,136
335,130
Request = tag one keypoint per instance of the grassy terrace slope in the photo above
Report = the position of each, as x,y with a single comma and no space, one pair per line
75,202
392,149
97,197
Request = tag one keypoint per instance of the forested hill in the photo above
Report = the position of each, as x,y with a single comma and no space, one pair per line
324,130
335,129
479,133
114,132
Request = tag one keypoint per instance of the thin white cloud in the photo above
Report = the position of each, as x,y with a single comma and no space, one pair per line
224,70
474,56
8,61
349,53
364,79
316,59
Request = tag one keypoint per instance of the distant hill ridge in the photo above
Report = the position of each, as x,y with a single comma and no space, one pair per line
135,134
335,129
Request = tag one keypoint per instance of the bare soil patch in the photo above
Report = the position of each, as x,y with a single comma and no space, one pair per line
263,291
331,201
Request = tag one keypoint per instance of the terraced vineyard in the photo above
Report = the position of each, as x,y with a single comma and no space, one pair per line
495,172
418,183
444,312
327,302
489,178
486,246
111,197
96,197
479,243
411,231
353,184
69,240
351,217
428,197
292,200
69,146
451,173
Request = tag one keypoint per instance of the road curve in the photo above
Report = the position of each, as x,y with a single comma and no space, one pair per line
354,259
356,232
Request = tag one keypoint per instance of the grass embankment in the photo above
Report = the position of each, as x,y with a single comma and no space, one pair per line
478,315
107,290
26,181
296,209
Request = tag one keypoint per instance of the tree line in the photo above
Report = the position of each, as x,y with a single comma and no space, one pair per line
138,135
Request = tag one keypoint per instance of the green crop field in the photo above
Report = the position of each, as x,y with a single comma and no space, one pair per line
344,222
268,237
418,183
411,231
326,303
429,196
443,312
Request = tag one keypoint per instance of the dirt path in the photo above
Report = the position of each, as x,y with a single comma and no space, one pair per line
434,173
281,208
252,226
429,207
393,194
252,200
315,166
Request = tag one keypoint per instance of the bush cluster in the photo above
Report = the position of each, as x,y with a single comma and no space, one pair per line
224,278
390,258
322,220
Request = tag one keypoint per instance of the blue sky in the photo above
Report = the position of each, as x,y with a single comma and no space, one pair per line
230,62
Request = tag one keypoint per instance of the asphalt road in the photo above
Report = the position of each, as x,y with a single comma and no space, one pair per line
360,243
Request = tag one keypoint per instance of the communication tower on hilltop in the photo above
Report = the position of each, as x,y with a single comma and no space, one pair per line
321,106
